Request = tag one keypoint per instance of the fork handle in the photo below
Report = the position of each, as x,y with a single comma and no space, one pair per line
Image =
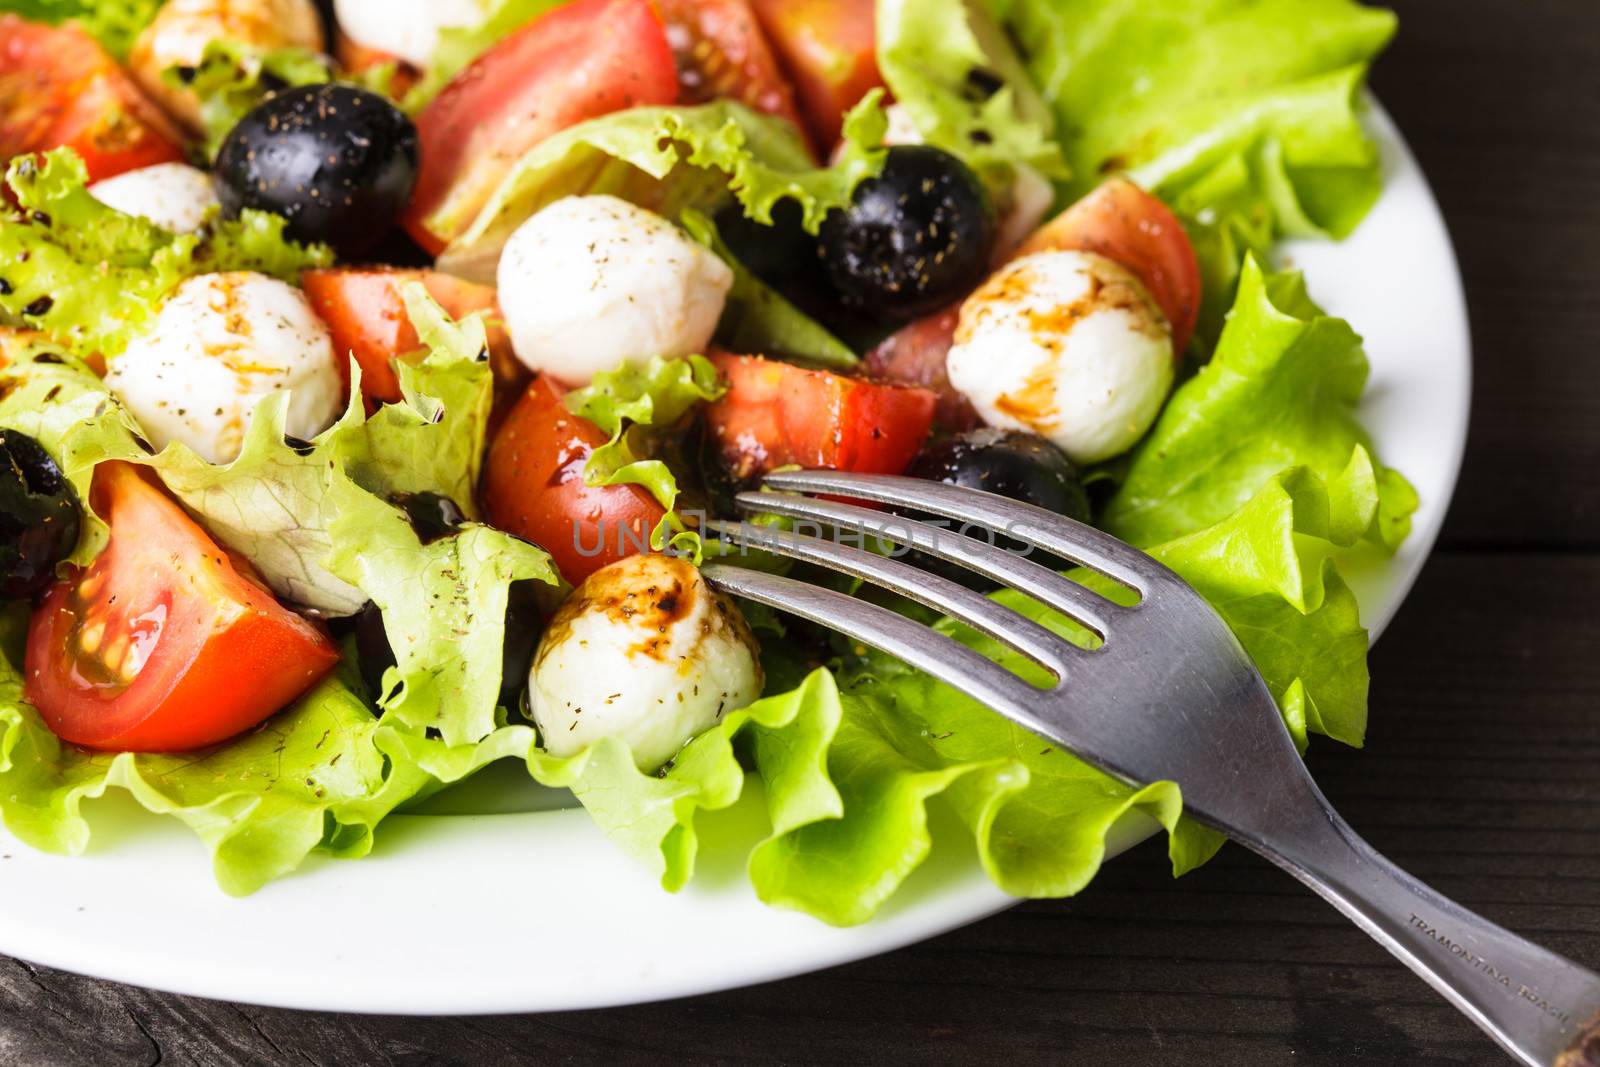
1541,1007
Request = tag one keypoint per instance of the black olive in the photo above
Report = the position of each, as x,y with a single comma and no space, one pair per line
783,254
432,516
336,161
524,624
1018,465
786,258
917,237
39,516
373,651
1021,466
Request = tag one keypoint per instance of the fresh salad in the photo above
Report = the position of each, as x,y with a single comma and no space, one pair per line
368,372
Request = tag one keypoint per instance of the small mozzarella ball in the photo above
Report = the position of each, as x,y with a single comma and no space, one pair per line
644,651
593,282
178,35
221,343
174,196
408,29
1069,345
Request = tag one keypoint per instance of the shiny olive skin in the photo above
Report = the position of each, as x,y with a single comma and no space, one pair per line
337,162
1014,464
434,517
39,516
916,237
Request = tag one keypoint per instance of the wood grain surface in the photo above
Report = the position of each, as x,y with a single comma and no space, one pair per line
1479,774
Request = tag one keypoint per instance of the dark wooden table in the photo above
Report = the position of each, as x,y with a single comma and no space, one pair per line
1481,773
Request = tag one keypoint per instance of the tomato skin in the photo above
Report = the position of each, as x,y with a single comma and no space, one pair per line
578,62
1121,221
722,51
829,48
533,487
915,355
776,414
59,88
219,654
366,313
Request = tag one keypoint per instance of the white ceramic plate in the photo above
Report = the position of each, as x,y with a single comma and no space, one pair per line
535,911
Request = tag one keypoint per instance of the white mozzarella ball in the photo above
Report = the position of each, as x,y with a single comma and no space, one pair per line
405,28
644,651
1069,345
593,282
174,196
221,343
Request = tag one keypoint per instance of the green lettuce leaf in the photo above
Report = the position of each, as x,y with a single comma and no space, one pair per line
758,319
1280,391
651,817
321,774
459,45
276,503
671,158
318,523
61,403
965,88
93,278
232,78
627,403
1245,117
851,766
116,24
317,777
444,609
1039,816
434,440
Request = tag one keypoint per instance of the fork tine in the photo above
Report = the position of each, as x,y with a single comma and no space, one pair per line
1040,582
1076,541
928,650
981,613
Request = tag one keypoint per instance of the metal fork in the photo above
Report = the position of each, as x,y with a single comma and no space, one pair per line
1168,695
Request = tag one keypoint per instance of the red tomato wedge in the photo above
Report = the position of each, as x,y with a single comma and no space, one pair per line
60,89
533,487
366,314
915,355
776,414
722,52
578,62
163,644
829,48
1121,221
